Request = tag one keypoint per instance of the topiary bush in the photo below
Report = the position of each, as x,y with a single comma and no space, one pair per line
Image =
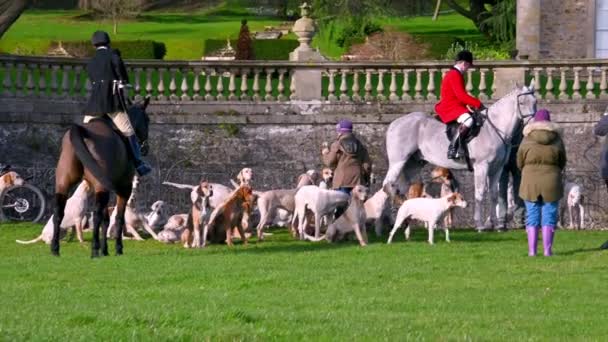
271,49
134,49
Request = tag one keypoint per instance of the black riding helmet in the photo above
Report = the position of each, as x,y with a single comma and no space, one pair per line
100,38
465,55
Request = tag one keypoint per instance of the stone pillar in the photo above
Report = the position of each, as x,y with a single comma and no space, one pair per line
505,79
307,82
527,41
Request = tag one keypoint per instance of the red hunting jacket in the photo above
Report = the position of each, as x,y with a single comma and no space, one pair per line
454,97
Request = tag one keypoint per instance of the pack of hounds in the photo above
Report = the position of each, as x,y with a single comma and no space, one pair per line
221,213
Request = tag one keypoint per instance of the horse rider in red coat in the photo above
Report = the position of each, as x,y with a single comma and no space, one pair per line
454,100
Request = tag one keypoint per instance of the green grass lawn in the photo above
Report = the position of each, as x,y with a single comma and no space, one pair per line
479,287
185,33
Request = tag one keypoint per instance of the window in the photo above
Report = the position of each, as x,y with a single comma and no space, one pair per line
601,29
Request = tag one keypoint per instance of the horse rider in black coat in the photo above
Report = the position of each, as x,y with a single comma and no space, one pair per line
109,77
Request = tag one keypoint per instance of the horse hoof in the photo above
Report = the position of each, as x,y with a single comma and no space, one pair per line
118,253
105,253
55,253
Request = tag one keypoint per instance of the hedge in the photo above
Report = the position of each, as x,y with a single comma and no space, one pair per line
129,49
263,49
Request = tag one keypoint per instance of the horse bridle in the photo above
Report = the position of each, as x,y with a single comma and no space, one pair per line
520,116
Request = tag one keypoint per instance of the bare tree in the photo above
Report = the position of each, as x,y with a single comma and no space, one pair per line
10,10
117,9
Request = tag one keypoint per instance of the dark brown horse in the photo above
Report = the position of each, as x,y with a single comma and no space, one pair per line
97,153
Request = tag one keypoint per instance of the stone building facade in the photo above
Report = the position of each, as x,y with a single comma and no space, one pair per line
556,29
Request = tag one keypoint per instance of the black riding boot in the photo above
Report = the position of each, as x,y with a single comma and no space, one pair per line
463,130
141,166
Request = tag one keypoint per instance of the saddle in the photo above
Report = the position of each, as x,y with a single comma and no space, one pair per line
452,128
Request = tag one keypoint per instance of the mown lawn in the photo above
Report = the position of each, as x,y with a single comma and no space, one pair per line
184,34
479,287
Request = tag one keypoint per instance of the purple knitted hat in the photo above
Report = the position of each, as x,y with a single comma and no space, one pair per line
344,125
542,115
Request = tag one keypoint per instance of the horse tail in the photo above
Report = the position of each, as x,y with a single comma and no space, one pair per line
77,134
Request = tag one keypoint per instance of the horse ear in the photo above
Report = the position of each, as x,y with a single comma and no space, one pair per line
146,102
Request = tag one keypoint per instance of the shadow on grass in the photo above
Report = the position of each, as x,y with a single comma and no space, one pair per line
580,250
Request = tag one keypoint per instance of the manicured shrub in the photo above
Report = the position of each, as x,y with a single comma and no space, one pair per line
129,49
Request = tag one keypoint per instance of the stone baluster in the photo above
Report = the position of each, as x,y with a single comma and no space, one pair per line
418,88
380,87
42,80
149,87
220,85
356,94
161,85
268,88
184,87
196,86
469,86
368,85
256,85
405,88
208,95
331,89
292,85
430,88
65,81
343,86
137,87
536,73
603,84
172,85
393,87
7,83
576,86
232,86
494,85
590,84
562,84
281,86
29,84
244,85
483,88
54,85
19,80
78,82
549,86
88,87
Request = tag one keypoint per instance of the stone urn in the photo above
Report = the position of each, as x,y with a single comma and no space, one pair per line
304,28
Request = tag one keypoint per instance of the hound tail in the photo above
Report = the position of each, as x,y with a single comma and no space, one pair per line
30,241
180,186
314,239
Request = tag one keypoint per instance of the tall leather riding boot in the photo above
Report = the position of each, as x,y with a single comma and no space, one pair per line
141,166
463,130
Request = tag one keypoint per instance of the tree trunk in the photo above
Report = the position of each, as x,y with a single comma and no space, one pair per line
115,25
436,14
84,4
10,10
477,11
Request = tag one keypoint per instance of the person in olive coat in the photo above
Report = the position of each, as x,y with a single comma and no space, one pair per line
109,77
541,158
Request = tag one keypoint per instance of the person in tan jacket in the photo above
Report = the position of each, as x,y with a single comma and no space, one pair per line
349,159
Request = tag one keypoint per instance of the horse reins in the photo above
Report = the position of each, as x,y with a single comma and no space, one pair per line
521,117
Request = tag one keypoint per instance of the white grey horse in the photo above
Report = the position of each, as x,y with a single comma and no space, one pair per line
416,138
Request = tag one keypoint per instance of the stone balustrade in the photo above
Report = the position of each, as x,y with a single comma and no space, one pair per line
273,81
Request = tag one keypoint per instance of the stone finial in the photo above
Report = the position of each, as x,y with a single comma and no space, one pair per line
304,28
